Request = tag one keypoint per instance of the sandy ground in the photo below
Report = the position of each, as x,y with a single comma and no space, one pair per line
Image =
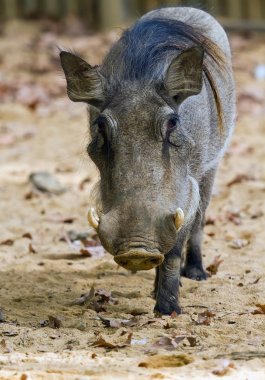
42,272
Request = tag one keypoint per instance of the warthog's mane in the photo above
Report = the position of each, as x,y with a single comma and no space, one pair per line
148,47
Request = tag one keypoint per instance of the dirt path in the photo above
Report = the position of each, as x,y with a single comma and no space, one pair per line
42,272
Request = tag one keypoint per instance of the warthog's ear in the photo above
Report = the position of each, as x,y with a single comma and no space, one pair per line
184,74
84,82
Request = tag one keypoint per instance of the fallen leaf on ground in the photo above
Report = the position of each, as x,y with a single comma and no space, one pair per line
27,235
7,242
93,251
238,243
32,248
95,299
213,267
117,323
255,281
118,340
106,297
224,369
171,343
210,220
240,178
87,297
158,361
260,310
46,182
205,318
234,217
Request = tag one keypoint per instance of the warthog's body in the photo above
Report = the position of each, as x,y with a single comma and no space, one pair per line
162,110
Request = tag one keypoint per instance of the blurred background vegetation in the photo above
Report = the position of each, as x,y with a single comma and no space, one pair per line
103,14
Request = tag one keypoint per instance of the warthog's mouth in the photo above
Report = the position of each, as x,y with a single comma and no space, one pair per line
139,259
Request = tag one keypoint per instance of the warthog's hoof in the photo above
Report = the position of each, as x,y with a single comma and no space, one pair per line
167,308
194,272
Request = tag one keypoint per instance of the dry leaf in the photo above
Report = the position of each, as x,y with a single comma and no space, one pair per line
205,318
117,323
240,178
106,297
87,297
210,220
7,242
234,217
114,341
238,243
27,235
225,368
32,248
260,310
95,299
171,343
93,251
254,282
213,267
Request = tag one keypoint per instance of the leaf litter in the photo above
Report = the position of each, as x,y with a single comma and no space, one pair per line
95,299
214,266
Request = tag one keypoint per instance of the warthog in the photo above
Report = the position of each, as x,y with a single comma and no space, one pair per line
162,109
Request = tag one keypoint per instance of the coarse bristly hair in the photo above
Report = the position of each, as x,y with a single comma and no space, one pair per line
150,45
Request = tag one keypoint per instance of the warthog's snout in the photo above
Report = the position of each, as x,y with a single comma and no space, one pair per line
139,259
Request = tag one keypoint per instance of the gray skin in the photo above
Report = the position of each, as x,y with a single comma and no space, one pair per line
144,179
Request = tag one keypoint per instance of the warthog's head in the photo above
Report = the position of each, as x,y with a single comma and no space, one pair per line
141,151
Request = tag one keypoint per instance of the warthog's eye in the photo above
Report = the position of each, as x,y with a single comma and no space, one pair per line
171,124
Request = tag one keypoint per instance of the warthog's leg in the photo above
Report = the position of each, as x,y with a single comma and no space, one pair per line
193,267
168,280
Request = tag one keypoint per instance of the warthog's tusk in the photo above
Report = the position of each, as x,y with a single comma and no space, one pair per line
179,218
93,218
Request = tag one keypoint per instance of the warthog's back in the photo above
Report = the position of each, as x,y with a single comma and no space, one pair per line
214,145
198,19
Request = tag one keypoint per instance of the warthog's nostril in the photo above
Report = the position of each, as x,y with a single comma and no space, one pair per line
139,259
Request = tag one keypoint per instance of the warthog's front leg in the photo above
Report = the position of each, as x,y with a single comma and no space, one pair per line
168,280
193,267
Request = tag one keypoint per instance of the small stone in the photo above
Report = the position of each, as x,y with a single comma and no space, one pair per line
46,182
